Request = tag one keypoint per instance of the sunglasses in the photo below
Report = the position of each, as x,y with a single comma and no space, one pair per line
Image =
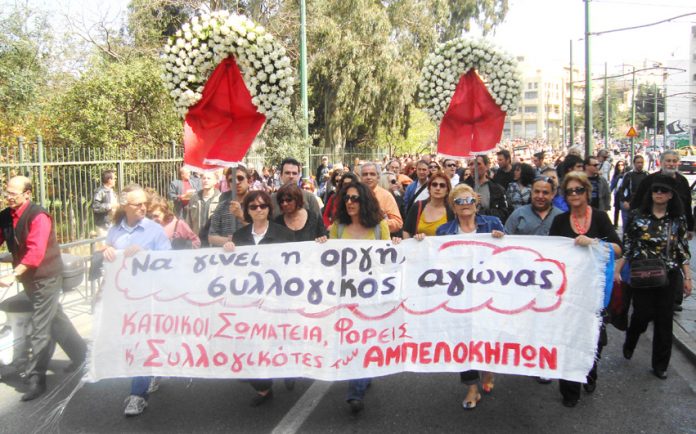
351,198
660,189
438,185
286,200
254,207
451,165
464,201
575,191
433,167
240,178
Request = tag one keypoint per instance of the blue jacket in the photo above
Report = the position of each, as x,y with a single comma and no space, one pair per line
485,224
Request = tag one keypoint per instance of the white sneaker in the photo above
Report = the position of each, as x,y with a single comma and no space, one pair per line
135,405
154,385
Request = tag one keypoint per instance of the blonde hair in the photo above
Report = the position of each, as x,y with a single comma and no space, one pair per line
580,177
457,190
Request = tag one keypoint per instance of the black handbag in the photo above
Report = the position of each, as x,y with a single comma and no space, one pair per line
651,273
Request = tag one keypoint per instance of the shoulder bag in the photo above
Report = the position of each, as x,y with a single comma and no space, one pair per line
651,273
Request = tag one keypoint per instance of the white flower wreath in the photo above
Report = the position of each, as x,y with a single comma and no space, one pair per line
191,56
444,67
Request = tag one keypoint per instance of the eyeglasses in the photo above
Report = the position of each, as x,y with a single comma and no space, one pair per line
464,201
286,200
438,185
262,206
12,194
138,205
451,165
393,181
660,189
575,191
351,198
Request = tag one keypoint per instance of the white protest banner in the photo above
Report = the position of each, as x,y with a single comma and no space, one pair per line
353,309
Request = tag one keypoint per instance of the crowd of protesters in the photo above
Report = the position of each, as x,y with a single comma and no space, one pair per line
416,196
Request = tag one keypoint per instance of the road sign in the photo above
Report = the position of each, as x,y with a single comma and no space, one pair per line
632,132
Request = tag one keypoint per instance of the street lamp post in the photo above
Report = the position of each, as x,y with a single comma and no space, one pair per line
303,81
655,120
664,110
606,108
572,105
633,111
588,84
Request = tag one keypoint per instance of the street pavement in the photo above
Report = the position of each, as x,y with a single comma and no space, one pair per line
628,399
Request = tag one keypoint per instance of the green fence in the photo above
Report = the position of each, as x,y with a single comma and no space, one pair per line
65,179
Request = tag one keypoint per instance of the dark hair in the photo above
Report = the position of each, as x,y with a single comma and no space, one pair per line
675,208
485,159
616,168
504,152
350,175
637,156
234,170
334,174
293,192
587,160
540,155
252,196
527,174
440,174
370,213
290,161
107,176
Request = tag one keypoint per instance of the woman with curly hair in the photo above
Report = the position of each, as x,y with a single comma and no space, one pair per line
519,191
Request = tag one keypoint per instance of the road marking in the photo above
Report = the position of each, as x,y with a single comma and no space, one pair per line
294,418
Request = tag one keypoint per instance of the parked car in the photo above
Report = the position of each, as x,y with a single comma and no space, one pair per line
687,164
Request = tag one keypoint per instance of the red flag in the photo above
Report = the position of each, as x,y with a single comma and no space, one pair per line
221,127
473,123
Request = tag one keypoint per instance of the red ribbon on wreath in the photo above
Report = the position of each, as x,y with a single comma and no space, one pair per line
473,123
221,127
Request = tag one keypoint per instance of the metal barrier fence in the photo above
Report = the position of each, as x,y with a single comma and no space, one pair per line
65,179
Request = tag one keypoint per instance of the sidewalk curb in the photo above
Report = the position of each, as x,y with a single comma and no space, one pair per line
684,341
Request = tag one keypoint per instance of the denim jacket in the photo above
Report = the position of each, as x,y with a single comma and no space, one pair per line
485,224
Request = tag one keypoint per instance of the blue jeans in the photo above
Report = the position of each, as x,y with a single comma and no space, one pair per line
357,388
139,386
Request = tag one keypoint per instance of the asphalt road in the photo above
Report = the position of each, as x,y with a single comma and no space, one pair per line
628,399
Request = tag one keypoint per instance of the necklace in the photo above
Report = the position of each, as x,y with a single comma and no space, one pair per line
581,229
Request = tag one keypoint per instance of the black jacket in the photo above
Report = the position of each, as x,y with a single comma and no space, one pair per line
275,234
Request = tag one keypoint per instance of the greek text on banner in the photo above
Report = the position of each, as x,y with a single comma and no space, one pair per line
353,309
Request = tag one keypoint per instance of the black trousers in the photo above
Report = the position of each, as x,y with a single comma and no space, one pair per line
50,326
655,304
570,390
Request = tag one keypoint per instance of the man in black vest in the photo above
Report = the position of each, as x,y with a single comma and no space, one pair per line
28,231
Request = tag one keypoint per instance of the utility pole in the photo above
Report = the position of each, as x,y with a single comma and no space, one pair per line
572,105
655,121
664,109
303,81
588,84
606,108
633,112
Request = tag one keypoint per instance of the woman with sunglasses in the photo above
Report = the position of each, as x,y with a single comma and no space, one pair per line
657,230
425,216
261,230
463,200
358,217
306,226
331,204
587,226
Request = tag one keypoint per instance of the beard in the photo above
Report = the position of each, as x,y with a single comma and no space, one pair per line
669,172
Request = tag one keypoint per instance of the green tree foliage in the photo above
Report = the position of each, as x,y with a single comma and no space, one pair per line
116,104
24,65
617,118
645,107
284,139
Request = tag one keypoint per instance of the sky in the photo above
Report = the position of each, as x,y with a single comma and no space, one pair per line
540,30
